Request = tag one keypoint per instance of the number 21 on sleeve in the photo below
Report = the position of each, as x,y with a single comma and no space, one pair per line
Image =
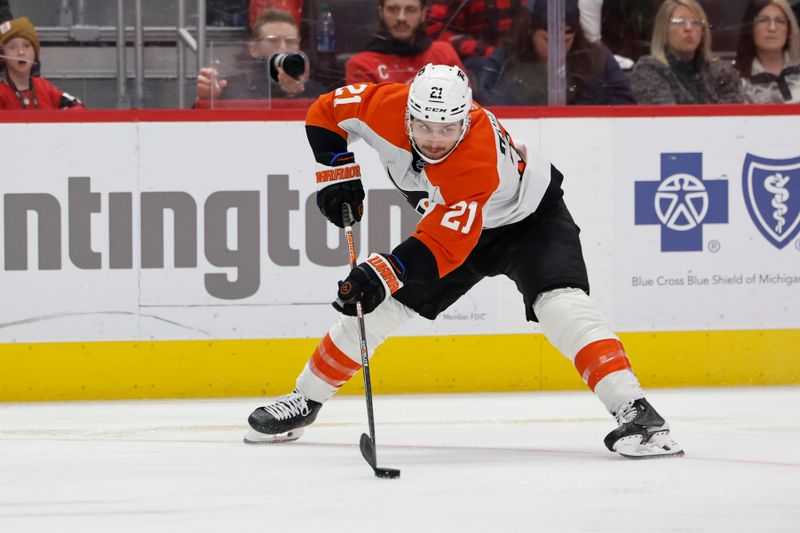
353,90
453,218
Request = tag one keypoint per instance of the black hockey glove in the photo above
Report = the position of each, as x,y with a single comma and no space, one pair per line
369,283
337,184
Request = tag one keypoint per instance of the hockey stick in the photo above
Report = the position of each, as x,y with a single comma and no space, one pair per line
367,444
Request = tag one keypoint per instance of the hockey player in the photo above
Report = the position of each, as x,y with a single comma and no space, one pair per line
488,207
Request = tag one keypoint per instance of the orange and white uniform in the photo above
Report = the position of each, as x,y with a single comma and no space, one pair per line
488,209
477,206
486,182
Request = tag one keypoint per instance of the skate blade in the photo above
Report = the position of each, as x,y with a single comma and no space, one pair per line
254,437
659,446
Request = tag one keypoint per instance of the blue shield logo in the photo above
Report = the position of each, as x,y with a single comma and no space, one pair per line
772,196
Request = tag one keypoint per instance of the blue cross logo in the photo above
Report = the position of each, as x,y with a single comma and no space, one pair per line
681,202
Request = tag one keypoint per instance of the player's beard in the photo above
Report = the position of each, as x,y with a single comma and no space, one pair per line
434,152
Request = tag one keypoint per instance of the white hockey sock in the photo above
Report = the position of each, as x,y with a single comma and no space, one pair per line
617,389
571,322
338,356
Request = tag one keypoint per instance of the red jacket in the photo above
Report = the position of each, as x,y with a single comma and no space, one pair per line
47,96
474,28
383,63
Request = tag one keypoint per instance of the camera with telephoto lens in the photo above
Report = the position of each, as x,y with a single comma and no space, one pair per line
292,63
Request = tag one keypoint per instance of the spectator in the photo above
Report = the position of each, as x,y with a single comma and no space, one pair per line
769,52
275,31
624,26
5,11
21,86
517,75
401,47
681,69
474,28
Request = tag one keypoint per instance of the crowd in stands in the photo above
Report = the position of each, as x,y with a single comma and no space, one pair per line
680,68
617,52
517,74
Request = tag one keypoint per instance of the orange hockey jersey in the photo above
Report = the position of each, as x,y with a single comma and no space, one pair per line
488,181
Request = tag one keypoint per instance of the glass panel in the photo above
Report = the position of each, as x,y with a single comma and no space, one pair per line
508,63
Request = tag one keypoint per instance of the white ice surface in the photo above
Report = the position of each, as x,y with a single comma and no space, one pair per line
477,462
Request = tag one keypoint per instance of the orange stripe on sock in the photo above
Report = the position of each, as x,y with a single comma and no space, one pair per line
599,359
331,365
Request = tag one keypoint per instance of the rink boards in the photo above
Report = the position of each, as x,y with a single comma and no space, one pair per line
172,254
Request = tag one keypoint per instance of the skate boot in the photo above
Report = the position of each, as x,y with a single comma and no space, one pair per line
642,433
283,420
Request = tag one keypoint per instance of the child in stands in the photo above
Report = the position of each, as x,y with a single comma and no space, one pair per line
21,87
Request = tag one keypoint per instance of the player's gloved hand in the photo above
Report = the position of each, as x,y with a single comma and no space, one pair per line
337,184
369,282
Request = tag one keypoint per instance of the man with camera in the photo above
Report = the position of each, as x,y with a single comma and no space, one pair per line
272,66
401,47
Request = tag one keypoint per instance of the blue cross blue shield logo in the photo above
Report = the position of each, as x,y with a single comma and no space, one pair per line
772,196
681,202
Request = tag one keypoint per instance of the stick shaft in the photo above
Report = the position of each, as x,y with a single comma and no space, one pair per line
362,332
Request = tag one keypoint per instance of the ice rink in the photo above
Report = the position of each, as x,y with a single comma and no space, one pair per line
476,462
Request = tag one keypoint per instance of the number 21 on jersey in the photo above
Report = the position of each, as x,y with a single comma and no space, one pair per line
353,90
454,218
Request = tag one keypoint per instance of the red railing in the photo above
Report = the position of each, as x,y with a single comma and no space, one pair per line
254,110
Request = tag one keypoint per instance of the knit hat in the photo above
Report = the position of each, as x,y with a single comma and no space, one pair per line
538,11
20,27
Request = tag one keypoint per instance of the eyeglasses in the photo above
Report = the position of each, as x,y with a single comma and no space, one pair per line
766,20
274,40
694,23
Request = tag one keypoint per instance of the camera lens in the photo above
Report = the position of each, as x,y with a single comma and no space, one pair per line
292,63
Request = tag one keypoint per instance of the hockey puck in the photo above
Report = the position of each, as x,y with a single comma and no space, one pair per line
387,473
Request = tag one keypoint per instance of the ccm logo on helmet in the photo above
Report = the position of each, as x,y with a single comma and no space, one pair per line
339,174
436,109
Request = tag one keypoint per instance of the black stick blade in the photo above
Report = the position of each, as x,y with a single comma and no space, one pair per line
368,451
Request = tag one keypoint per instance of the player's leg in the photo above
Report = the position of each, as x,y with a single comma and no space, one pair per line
571,322
336,359
550,271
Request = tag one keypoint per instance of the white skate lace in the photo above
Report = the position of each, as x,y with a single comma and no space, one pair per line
627,413
288,406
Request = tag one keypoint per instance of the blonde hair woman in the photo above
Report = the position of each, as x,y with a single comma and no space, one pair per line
768,56
680,68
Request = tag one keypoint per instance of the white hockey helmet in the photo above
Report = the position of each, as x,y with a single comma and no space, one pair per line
439,93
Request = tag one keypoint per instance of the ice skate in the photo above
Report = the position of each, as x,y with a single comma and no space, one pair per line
642,433
283,420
